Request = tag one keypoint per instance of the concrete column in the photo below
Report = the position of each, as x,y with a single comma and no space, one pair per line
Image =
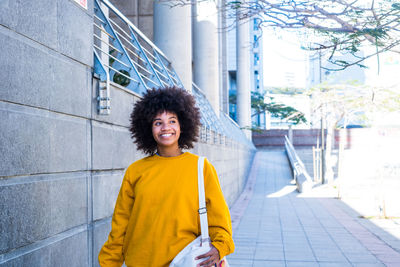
172,34
205,51
290,134
223,57
243,75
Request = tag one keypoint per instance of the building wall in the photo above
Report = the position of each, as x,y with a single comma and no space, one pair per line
61,164
275,138
45,133
61,208
140,13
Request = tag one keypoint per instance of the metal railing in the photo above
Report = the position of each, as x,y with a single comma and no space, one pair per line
223,125
300,173
208,117
233,131
131,59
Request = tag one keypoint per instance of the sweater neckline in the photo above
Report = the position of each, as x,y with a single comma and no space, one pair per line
171,158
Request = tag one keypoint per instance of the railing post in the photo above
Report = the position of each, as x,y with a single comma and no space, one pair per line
290,134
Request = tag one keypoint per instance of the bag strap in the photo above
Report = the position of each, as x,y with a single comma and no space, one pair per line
202,202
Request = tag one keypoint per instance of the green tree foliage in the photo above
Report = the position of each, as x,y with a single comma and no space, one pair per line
259,105
122,77
281,111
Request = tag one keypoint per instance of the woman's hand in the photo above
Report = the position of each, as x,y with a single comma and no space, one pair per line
213,258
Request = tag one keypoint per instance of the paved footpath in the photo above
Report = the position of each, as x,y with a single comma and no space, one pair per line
274,225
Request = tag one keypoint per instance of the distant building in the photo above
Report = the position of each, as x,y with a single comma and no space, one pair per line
320,70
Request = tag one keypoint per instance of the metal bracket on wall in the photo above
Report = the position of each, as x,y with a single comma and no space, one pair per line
103,98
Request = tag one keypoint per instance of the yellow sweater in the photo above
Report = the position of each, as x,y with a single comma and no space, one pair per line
156,215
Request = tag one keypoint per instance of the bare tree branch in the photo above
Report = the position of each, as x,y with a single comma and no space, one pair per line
344,25
344,66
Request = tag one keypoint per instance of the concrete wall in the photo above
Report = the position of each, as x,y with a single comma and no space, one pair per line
61,164
275,138
45,133
232,162
60,178
305,138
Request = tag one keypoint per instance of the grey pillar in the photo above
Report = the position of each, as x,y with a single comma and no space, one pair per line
290,134
205,51
243,75
172,34
223,57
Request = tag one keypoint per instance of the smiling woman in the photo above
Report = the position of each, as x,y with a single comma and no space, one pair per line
157,210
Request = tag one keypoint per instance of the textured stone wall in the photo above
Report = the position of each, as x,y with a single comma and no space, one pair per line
60,176
61,164
45,133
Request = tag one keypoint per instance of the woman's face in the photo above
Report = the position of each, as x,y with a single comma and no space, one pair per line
166,130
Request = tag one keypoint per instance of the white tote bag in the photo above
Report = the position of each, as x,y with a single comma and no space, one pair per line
201,245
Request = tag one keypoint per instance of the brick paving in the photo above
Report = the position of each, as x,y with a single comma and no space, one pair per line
274,225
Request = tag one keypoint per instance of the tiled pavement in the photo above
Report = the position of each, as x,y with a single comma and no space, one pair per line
276,226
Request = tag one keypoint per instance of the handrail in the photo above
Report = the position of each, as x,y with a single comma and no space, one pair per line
224,124
294,158
230,119
199,89
173,78
138,32
300,174
133,72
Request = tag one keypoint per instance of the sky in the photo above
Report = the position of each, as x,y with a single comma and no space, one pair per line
285,63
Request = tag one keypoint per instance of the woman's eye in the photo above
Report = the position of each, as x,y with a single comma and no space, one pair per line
157,123
173,121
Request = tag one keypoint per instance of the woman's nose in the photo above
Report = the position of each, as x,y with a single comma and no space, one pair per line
164,126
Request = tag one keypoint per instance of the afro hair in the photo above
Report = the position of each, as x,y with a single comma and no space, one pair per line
172,99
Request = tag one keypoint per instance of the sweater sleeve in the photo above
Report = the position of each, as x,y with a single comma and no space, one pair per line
219,219
111,254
